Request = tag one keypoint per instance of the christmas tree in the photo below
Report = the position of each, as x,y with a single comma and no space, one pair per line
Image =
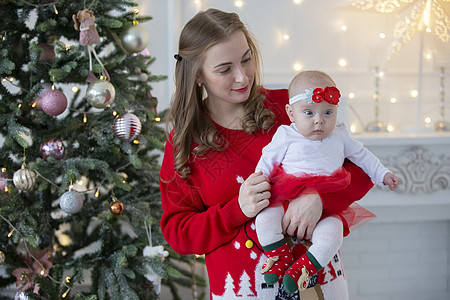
80,140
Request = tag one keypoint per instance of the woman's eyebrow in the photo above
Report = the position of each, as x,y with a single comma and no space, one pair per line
228,63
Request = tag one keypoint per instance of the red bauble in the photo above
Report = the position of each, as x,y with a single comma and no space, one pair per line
52,147
54,103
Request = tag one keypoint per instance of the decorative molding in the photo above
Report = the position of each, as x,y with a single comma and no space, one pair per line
420,171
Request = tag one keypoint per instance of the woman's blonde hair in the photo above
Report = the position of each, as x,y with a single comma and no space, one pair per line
188,116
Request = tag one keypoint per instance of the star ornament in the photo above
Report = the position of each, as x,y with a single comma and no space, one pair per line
414,15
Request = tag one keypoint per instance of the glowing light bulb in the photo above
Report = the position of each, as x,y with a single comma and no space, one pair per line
11,232
158,119
414,93
344,27
286,37
342,62
97,193
353,128
382,35
114,113
297,67
393,100
75,89
239,3
297,1
42,272
351,95
84,118
427,120
136,142
390,128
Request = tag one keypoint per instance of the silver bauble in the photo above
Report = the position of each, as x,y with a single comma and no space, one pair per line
24,179
135,38
100,93
127,127
71,202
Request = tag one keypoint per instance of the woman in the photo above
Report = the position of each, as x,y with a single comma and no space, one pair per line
220,119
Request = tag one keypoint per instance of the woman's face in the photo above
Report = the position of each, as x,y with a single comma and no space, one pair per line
228,71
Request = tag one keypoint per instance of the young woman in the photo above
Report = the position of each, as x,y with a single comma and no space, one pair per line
219,121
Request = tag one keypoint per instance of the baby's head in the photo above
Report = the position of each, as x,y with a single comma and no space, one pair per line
313,103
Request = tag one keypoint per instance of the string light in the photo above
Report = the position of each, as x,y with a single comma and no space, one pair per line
65,293
239,3
414,93
84,118
75,89
351,95
297,67
286,37
42,272
382,35
11,232
114,113
427,120
68,279
55,10
353,128
342,62
136,142
343,27
390,128
158,119
393,100
297,1
97,193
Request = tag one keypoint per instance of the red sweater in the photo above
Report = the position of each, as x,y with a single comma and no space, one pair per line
201,214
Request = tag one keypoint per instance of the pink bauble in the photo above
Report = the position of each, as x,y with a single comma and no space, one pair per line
54,103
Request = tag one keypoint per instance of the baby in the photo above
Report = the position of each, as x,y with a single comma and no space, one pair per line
308,156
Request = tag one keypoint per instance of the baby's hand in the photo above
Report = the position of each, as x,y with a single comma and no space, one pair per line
391,181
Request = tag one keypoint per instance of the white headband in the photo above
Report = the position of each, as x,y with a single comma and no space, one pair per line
306,96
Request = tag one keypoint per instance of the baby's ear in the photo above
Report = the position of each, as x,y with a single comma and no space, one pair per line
289,112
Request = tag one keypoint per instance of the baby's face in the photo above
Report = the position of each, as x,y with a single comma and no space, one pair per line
315,121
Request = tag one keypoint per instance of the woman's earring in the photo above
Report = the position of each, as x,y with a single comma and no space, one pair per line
199,84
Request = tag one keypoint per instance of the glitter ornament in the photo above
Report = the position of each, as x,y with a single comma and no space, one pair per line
52,147
100,93
54,103
24,179
71,202
127,127
135,39
116,207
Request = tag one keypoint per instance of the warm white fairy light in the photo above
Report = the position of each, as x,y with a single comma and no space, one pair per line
382,35
351,95
393,100
297,1
390,128
342,62
158,119
239,3
75,89
352,128
344,27
427,120
297,67
414,93
429,56
286,37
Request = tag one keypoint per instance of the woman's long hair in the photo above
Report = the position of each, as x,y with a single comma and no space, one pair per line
188,116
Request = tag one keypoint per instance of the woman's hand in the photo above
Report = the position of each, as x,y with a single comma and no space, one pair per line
302,215
254,194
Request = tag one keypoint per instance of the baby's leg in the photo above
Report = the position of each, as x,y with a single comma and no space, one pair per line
326,240
268,225
270,236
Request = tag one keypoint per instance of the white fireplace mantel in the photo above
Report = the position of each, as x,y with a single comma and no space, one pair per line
422,161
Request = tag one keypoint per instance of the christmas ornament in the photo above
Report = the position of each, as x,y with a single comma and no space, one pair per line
47,54
85,22
116,207
127,127
21,295
71,202
54,103
135,38
52,147
2,257
24,179
100,93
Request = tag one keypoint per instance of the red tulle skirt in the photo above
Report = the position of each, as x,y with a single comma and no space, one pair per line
287,186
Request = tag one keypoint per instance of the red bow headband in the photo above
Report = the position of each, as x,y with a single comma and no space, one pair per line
329,94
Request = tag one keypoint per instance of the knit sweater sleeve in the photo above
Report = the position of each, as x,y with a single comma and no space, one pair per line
186,223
